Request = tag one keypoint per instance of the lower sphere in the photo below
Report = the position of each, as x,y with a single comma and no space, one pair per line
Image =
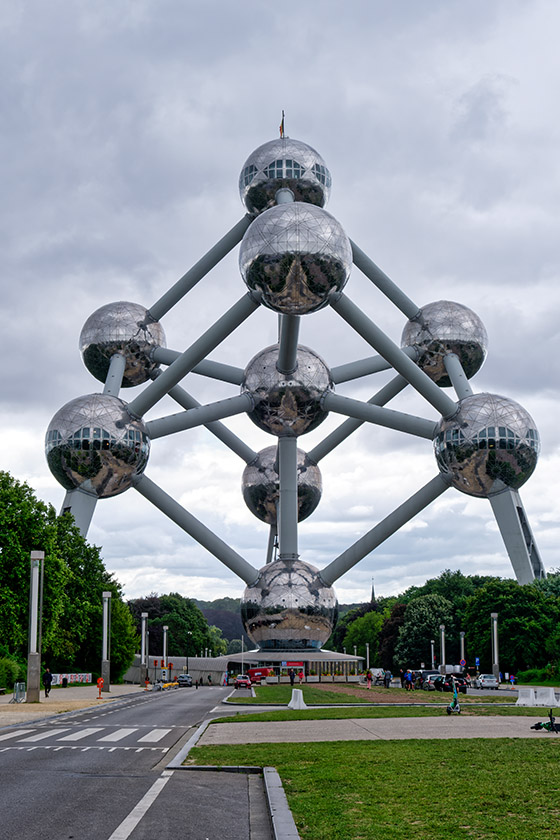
490,444
92,443
289,607
260,485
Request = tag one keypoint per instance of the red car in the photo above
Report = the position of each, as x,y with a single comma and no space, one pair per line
242,681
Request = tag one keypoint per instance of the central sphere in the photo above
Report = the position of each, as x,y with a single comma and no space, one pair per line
490,444
93,443
125,328
283,163
287,404
289,607
295,255
261,488
446,327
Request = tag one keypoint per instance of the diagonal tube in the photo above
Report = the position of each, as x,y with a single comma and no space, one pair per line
199,416
365,367
399,517
199,532
380,416
200,269
384,283
225,325
371,333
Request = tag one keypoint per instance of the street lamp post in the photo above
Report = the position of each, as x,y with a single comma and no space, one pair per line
367,656
105,655
442,648
37,559
433,653
462,636
495,653
165,629
189,633
143,649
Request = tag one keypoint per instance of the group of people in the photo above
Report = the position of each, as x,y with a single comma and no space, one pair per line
387,677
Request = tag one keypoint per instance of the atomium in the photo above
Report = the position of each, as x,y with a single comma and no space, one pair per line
124,328
261,485
446,327
295,255
93,444
289,607
283,164
287,404
489,445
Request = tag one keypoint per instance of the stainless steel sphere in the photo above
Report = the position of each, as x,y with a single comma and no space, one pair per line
124,328
489,445
283,163
93,443
289,607
260,485
447,327
287,404
295,255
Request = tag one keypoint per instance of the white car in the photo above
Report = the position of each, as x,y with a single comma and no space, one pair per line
486,681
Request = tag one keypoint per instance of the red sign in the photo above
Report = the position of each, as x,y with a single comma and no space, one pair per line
294,664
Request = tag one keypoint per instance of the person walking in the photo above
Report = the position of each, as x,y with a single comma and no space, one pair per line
47,681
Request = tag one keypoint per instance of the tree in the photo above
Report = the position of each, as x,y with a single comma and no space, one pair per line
527,625
389,635
421,624
188,632
74,580
365,630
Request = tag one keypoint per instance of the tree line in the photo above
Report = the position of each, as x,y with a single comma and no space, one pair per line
399,630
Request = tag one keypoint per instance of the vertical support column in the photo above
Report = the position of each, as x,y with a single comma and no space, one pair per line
433,653
105,661
34,654
143,649
442,648
367,656
495,652
165,629
288,505
462,637
272,534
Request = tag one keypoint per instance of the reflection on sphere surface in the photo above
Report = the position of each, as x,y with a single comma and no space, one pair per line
93,443
260,485
289,607
489,445
447,327
295,255
287,404
283,163
124,328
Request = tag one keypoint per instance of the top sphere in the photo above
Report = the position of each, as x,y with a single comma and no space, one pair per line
490,444
295,255
125,328
446,327
283,163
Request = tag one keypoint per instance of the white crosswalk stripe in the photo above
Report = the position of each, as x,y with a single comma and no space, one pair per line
40,736
15,733
82,733
154,736
118,735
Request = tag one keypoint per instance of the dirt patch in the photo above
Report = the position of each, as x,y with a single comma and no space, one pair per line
374,695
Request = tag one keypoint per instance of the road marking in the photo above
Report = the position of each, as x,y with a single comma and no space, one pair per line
15,734
118,735
39,736
125,829
83,733
155,735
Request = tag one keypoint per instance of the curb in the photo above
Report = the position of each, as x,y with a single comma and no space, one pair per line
282,821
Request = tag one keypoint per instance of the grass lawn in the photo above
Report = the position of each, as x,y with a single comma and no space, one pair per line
383,790
280,695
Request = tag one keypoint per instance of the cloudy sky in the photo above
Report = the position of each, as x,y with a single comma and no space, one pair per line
124,128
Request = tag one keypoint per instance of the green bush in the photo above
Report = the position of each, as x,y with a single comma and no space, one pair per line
10,672
539,675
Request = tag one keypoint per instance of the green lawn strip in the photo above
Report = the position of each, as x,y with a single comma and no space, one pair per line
391,790
387,712
280,695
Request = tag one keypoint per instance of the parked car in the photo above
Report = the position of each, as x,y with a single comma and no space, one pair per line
184,680
486,681
242,681
428,680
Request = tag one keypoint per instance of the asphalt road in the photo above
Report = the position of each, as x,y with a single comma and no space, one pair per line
92,774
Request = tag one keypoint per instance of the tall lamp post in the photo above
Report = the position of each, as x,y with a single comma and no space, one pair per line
143,648
37,559
442,648
495,653
189,633
105,654
165,629
462,637
433,653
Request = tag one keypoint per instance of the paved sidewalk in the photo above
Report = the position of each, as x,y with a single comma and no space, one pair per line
373,729
60,700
